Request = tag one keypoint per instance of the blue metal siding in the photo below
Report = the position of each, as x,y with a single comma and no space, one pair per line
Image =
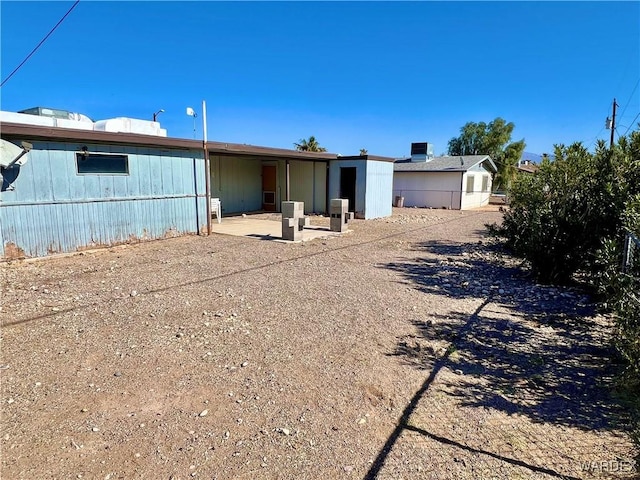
54,209
361,182
378,197
374,186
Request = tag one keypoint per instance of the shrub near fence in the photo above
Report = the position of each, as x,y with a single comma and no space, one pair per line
628,305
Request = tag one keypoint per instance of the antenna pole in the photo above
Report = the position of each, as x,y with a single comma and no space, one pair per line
613,123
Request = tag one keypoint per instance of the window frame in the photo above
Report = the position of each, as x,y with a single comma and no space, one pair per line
84,156
485,183
470,179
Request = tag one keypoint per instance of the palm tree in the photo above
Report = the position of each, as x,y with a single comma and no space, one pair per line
310,145
363,152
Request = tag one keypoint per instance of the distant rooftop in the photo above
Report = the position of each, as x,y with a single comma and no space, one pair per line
443,164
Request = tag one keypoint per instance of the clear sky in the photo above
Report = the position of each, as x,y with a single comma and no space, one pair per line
374,75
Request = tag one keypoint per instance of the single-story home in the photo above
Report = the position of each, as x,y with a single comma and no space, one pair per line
77,187
452,182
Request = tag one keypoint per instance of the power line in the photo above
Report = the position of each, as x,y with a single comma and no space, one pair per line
631,125
630,97
38,46
594,139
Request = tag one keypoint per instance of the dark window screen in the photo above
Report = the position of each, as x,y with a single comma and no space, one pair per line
94,163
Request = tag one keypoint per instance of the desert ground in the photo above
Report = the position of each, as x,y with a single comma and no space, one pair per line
411,347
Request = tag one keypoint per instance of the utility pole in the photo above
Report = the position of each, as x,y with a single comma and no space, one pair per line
613,122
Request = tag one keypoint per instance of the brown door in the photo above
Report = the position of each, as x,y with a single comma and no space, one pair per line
269,188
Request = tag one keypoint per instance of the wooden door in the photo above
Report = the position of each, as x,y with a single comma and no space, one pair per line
269,183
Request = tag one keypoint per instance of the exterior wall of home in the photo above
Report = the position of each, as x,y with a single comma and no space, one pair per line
307,182
428,189
302,183
361,182
477,198
320,187
378,196
237,181
53,209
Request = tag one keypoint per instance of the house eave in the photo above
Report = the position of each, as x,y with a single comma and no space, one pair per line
70,135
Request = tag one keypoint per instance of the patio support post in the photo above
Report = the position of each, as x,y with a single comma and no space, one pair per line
287,181
207,173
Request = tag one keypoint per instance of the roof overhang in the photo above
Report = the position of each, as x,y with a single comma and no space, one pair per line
488,161
35,132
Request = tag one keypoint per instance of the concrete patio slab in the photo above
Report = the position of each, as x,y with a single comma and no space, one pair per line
267,229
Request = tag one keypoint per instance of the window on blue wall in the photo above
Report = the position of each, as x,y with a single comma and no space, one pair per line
99,164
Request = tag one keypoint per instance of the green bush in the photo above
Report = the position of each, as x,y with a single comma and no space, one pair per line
572,217
560,216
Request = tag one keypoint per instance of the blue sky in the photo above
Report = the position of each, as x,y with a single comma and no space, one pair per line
374,75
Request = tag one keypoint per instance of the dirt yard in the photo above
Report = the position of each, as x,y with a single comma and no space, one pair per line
409,348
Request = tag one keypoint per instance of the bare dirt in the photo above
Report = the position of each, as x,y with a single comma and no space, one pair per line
409,348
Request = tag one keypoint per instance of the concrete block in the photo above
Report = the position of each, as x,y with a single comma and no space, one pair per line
303,222
292,209
293,220
338,213
290,230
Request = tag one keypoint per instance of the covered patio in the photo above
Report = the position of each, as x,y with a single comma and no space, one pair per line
248,178
268,226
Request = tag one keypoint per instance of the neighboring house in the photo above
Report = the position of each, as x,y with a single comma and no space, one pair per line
527,167
452,182
87,186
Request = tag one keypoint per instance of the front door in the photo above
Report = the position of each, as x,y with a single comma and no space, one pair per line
269,188
348,186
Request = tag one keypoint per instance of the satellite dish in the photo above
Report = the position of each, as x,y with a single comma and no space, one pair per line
12,154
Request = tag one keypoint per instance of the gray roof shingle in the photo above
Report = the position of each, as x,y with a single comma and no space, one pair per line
444,164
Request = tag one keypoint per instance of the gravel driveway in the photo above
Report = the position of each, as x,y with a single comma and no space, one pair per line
409,348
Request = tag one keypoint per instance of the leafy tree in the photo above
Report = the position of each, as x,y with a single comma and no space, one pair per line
493,139
310,145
